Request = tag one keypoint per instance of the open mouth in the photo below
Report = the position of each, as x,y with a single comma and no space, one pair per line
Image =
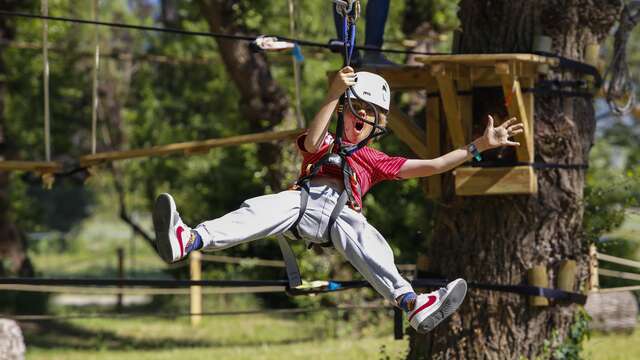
359,125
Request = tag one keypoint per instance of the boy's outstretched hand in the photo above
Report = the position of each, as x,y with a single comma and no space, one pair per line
499,136
345,78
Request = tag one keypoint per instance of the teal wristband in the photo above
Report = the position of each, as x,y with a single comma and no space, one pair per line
473,149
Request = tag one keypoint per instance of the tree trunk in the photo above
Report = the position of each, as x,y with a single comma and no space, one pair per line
263,102
497,239
13,258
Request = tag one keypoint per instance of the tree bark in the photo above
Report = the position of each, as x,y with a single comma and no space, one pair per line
263,102
497,239
13,257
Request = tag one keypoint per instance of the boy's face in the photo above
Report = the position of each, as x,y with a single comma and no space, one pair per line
355,130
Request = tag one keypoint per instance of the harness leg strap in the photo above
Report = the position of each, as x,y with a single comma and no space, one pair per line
340,203
304,199
293,272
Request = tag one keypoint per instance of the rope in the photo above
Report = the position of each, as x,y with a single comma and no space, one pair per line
620,84
335,285
94,108
45,75
136,291
46,317
296,66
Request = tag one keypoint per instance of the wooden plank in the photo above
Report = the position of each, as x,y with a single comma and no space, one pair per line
407,131
449,96
466,106
487,58
618,274
529,102
516,108
618,260
434,182
35,166
400,77
404,77
189,147
594,279
493,181
618,289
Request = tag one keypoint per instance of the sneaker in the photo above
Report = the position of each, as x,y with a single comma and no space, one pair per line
174,239
430,309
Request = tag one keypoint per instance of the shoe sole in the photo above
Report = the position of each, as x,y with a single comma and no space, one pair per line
162,211
450,304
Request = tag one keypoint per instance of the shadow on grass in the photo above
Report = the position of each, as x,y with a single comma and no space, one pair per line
58,335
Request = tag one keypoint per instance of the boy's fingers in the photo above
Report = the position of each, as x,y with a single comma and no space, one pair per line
509,122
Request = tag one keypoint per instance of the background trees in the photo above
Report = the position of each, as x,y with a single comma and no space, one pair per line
160,88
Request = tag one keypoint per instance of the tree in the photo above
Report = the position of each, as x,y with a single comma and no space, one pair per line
12,245
263,102
496,239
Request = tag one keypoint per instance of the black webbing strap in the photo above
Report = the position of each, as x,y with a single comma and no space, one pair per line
304,199
554,294
340,203
576,65
535,165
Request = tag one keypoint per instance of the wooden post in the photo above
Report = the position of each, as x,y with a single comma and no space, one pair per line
120,252
542,43
195,266
449,96
516,108
537,276
591,54
567,275
432,139
594,283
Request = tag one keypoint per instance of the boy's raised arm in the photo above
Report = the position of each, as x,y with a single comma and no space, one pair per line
493,137
320,123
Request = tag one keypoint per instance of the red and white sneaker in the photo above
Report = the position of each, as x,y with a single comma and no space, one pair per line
430,309
173,238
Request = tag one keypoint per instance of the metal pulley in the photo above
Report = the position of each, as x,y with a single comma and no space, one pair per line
348,8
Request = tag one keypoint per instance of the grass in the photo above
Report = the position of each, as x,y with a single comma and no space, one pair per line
238,337
613,346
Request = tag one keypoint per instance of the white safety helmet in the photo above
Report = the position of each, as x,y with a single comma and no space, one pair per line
372,88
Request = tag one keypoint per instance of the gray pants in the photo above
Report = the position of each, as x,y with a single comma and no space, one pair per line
270,215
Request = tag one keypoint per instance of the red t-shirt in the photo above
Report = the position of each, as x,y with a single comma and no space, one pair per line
371,166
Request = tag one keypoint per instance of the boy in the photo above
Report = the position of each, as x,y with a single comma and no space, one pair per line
351,234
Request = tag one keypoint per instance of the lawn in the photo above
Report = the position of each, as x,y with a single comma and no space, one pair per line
245,337
226,337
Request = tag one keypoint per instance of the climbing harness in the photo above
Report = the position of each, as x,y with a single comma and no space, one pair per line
337,155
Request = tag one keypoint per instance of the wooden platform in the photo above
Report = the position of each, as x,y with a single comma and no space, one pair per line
449,81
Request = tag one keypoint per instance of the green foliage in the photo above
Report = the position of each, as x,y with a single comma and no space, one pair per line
610,191
570,347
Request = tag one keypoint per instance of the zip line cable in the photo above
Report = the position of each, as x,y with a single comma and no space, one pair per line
335,46
203,33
